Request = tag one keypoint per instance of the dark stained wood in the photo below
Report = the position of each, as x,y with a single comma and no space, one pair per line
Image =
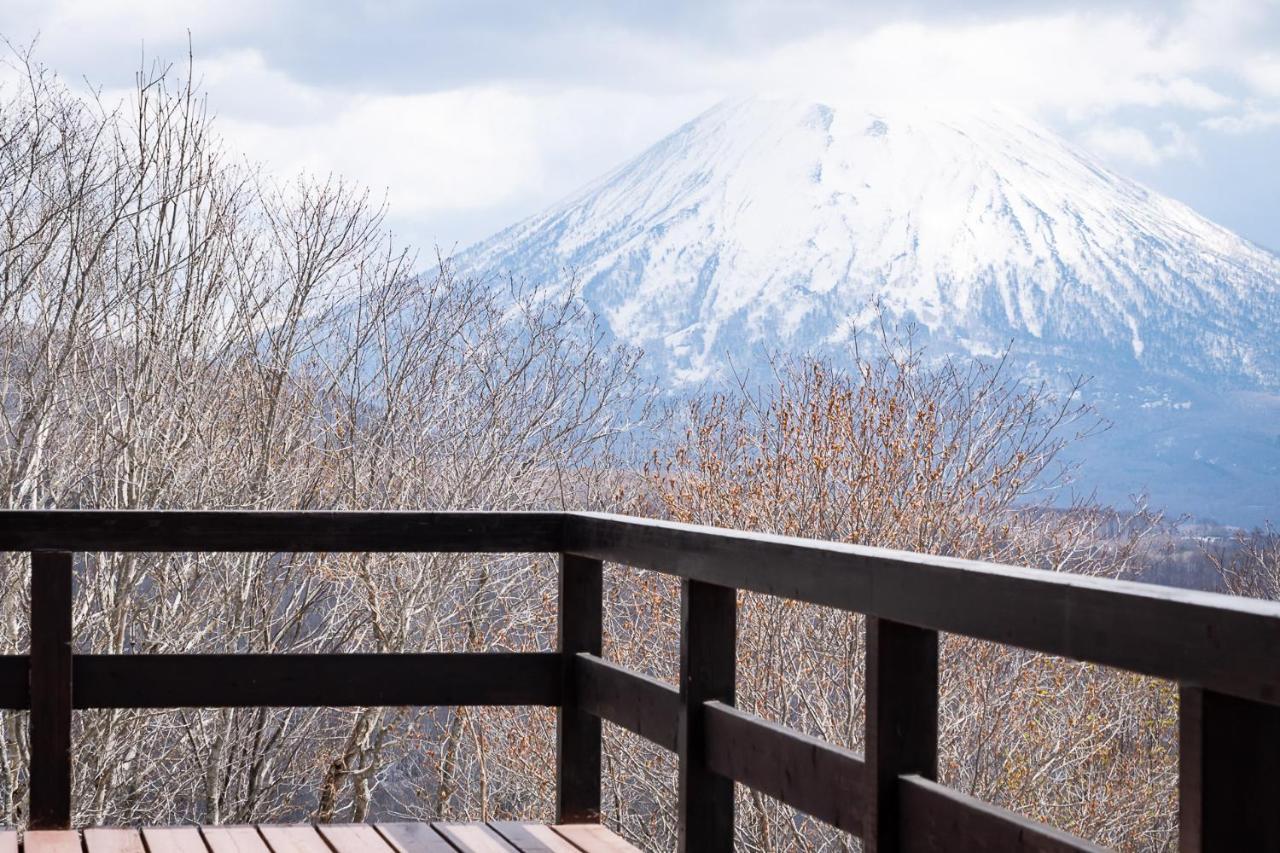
201,530
1225,646
174,839
936,819
577,731
233,839
102,839
51,694
593,838
902,722
322,680
473,838
15,684
811,775
532,837
1224,643
1229,768
293,839
708,640
354,838
414,838
640,704
51,841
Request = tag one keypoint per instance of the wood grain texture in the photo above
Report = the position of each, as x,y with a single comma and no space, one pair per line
936,819
473,838
51,841
233,839
236,530
708,656
640,704
174,839
15,684
1229,773
580,621
1221,648
808,774
532,837
593,838
414,838
51,691
901,722
353,838
101,839
321,680
293,839
1224,643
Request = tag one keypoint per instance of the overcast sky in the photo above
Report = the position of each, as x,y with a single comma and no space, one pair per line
475,114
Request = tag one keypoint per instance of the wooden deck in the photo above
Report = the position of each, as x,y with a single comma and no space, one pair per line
1220,650
493,837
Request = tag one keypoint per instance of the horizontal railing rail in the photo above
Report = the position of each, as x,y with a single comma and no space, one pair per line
1223,651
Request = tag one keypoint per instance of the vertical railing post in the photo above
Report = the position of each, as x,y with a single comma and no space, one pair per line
578,733
902,721
708,652
50,681
1229,773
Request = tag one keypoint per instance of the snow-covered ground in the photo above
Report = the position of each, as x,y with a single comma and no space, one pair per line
769,223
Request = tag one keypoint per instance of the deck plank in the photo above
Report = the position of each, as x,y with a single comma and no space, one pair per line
354,838
171,839
594,838
473,837
414,838
532,837
51,841
293,839
234,839
102,839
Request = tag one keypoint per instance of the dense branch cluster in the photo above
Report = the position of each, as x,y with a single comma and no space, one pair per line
178,331
941,458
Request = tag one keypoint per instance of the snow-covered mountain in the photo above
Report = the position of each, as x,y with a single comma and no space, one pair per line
768,223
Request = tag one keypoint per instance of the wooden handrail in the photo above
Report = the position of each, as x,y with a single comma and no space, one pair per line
1223,651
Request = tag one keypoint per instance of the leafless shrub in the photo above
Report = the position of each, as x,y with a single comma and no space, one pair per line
1251,566
945,458
178,330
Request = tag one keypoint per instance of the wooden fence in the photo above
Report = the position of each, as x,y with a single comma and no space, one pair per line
1224,652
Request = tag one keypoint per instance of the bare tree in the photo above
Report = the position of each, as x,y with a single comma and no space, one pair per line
942,457
178,330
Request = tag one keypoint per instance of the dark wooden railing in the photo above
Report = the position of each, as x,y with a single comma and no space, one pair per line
1224,652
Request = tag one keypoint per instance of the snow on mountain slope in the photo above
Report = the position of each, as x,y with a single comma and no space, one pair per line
779,223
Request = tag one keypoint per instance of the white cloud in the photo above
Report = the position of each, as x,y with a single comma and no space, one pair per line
1132,145
1066,65
462,149
481,146
1251,120
132,22
1263,74
1123,83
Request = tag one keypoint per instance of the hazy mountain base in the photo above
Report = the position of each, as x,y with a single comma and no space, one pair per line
1181,445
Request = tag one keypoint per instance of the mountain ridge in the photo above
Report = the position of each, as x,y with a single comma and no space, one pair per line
782,222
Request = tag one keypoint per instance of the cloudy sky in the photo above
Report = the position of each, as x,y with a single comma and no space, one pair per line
474,114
